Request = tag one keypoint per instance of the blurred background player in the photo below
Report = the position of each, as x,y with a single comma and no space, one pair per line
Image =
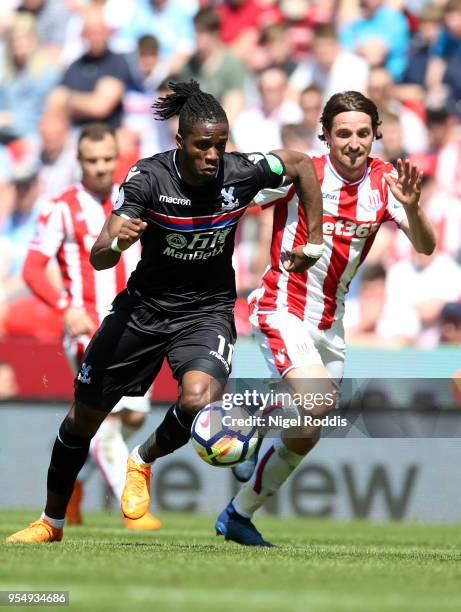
67,227
298,321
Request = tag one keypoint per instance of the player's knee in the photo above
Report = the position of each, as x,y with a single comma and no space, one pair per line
82,421
71,436
194,398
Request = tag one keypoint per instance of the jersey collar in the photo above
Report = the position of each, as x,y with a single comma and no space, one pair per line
342,179
175,164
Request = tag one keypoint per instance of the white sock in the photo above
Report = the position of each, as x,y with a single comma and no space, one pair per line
110,453
273,468
57,523
137,457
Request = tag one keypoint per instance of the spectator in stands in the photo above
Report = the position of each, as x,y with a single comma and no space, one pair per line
26,82
391,144
58,164
375,318
450,323
170,21
51,17
425,283
259,128
8,383
445,63
274,49
149,71
93,86
18,228
216,68
138,98
296,137
153,136
310,103
241,22
330,68
429,24
380,35
382,91
444,133
6,186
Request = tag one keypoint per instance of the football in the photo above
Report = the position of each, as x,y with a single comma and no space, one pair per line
223,437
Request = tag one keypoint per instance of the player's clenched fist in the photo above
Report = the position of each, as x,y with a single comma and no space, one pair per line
130,231
296,260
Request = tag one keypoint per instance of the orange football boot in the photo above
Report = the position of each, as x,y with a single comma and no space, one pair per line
148,522
38,532
136,494
73,512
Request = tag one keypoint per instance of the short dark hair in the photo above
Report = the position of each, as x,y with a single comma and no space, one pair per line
95,132
148,45
373,272
294,130
349,101
312,89
207,20
451,312
271,31
191,104
326,31
452,5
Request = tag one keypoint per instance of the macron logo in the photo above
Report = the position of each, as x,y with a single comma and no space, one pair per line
171,200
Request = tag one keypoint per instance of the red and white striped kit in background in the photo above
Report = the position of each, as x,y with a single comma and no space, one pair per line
298,317
67,229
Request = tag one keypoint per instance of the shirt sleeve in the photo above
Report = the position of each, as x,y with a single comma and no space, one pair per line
135,194
118,69
439,47
50,231
270,197
270,169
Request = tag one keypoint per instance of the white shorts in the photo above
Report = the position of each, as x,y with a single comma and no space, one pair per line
287,342
74,349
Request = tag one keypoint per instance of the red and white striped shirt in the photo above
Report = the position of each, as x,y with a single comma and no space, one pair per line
352,214
67,228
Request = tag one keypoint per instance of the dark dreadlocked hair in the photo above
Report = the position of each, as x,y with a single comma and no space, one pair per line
191,104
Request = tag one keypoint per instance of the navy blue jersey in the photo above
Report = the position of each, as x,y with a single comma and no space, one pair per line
186,261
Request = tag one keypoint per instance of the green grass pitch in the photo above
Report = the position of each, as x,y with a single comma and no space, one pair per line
319,566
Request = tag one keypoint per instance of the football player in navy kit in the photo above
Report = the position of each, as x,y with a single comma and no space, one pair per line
184,206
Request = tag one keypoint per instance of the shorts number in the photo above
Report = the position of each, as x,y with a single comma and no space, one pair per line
222,348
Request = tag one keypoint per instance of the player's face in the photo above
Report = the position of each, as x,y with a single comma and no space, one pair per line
97,160
201,151
350,142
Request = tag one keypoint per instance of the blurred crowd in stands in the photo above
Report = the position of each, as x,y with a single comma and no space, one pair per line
272,64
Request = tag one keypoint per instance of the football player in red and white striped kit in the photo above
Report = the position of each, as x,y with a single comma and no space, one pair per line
67,228
297,318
